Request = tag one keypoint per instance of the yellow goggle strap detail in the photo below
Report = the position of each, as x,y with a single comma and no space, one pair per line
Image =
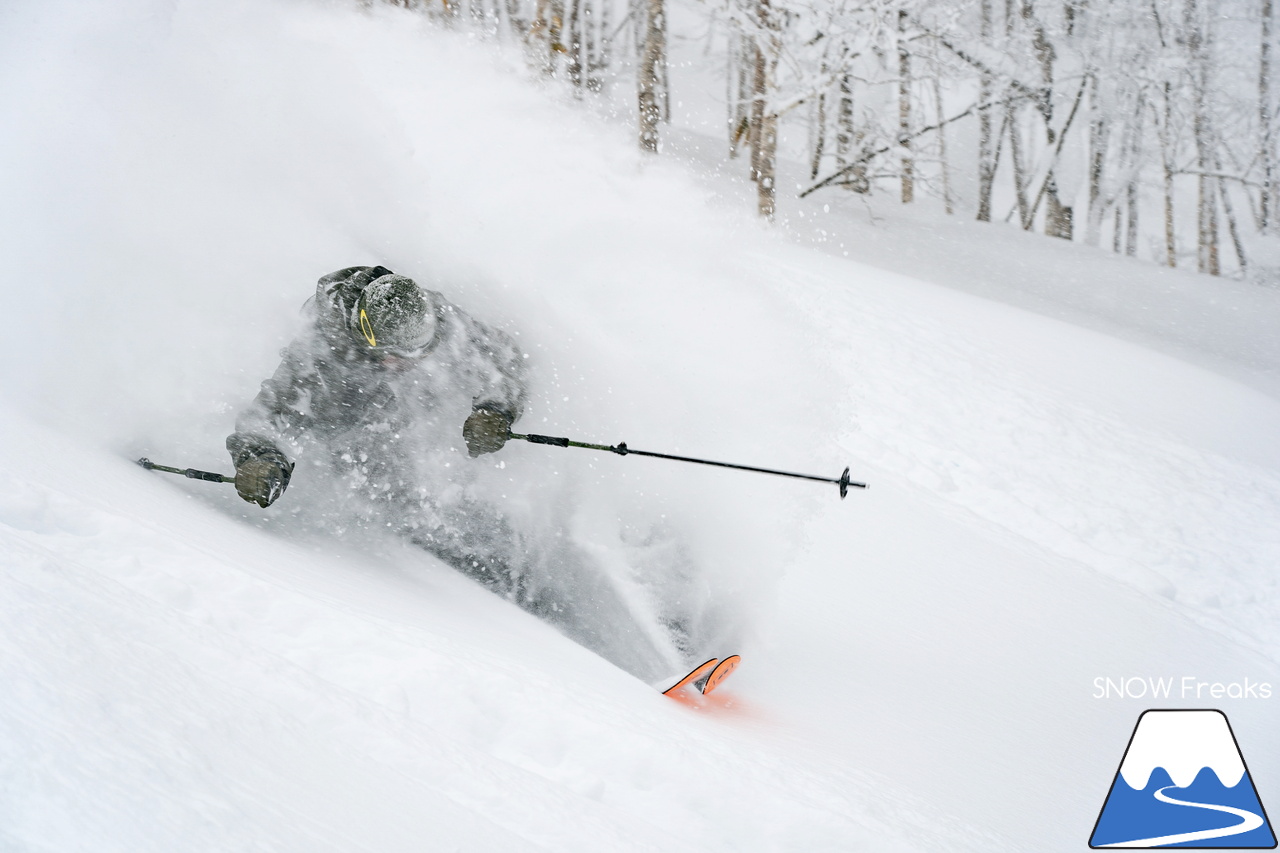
366,329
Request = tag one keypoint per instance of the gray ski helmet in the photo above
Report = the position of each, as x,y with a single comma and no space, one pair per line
393,313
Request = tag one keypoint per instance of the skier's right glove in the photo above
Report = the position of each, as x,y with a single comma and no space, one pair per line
262,474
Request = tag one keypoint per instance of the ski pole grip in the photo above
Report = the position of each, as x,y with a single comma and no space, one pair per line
547,439
207,475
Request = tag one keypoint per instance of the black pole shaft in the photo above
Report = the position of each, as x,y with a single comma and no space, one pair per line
191,473
622,450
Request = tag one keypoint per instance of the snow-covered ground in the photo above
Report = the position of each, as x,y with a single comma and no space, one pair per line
1072,458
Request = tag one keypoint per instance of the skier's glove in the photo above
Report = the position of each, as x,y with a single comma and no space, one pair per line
486,431
263,476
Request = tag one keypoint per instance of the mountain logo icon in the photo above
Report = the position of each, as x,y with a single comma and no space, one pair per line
1183,783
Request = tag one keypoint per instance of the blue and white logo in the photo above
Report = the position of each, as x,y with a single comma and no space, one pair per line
1183,783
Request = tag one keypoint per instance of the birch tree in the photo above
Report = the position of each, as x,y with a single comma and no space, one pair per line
1157,119
651,74
1267,138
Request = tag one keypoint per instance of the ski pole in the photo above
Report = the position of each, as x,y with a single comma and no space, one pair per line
187,472
622,450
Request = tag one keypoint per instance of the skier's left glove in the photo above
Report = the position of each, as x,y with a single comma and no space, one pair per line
486,431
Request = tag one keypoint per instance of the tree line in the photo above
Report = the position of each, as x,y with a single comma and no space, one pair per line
1144,126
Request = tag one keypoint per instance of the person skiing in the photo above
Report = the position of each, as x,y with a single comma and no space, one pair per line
352,372
374,393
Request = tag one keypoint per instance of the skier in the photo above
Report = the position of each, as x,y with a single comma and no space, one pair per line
374,392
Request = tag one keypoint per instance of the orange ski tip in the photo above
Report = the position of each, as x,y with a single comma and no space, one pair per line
698,672
720,673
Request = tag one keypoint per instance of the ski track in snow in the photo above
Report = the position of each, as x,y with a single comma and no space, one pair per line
1141,505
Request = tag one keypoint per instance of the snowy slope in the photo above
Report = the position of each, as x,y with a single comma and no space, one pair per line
180,681
1051,501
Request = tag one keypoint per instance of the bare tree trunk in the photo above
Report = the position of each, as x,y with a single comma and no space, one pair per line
1208,227
1058,216
1231,225
1267,139
539,38
1099,133
653,55
1206,203
844,122
986,157
942,139
764,121
758,94
1019,176
598,49
848,139
574,46
518,25
817,133
904,110
766,191
1229,212
741,65
1131,187
664,68
555,31
1131,232
1166,162
1136,146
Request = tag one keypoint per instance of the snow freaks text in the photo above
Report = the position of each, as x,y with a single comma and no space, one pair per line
1184,687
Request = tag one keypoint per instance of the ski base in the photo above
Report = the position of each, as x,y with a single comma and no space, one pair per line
706,676
720,673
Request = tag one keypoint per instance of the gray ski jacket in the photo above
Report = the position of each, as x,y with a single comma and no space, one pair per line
393,420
